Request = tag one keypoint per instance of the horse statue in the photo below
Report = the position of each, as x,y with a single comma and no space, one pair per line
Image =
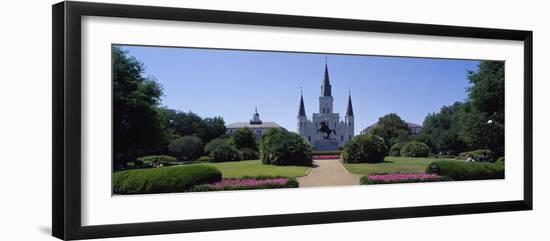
325,129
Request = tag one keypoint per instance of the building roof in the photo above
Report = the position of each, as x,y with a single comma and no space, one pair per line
247,124
349,111
325,87
413,125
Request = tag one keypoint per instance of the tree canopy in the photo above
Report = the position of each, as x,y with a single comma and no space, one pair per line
137,121
478,123
392,128
244,138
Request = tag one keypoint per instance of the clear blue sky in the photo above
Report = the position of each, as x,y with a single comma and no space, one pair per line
231,83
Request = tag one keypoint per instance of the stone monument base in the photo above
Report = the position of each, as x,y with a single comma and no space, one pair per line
325,144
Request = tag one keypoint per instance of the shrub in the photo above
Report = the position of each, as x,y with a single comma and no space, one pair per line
248,183
477,154
364,148
249,154
224,153
388,178
213,144
187,148
150,161
203,159
415,149
280,147
163,180
460,170
395,150
244,138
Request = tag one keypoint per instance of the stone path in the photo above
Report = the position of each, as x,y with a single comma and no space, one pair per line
328,173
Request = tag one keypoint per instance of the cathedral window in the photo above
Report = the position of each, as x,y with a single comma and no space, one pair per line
342,138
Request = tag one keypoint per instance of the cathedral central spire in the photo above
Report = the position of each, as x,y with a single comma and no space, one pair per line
325,87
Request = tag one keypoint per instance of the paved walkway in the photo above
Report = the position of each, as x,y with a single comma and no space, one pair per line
328,173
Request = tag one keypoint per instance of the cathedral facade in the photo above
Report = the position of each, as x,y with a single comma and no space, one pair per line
325,130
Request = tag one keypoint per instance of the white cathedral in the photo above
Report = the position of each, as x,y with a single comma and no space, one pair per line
326,131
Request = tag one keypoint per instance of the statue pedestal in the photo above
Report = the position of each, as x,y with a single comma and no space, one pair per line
325,144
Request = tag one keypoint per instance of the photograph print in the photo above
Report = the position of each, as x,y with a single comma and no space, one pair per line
198,119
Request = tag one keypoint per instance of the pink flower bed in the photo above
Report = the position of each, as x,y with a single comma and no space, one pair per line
319,157
248,182
401,176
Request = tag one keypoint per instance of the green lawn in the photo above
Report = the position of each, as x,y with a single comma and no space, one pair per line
256,168
392,164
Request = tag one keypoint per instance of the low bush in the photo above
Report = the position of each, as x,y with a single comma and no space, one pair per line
248,183
281,147
395,150
163,180
460,170
152,161
477,154
415,149
364,148
249,154
187,148
224,153
387,178
213,144
203,159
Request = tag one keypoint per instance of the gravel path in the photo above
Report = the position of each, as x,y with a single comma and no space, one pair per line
328,173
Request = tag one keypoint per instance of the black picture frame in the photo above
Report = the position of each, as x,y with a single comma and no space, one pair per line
66,75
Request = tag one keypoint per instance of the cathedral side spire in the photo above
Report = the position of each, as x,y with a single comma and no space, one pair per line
349,111
302,110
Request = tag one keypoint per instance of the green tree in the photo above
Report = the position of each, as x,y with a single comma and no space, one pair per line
137,121
483,117
392,129
191,124
442,130
214,128
187,148
244,138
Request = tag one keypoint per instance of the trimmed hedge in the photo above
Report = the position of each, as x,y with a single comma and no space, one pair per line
281,147
500,161
163,180
150,161
460,170
476,154
364,148
395,150
415,149
249,154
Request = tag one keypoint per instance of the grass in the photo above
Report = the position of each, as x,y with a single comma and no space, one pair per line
256,168
392,165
